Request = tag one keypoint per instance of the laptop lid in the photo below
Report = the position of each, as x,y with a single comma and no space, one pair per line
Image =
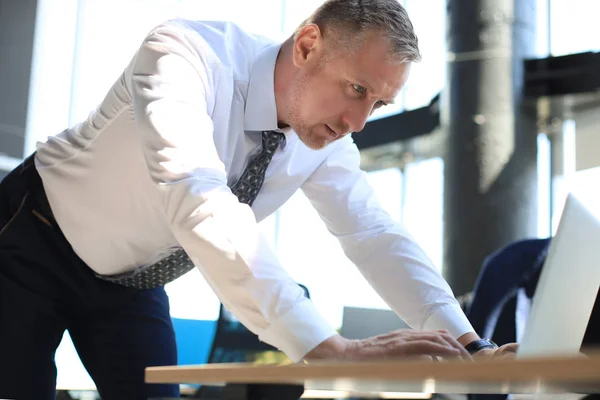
361,323
567,287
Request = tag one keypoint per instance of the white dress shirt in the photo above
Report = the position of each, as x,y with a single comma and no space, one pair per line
148,171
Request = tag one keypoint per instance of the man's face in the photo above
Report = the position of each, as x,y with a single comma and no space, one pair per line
333,94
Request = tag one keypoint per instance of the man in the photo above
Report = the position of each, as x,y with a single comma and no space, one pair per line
171,171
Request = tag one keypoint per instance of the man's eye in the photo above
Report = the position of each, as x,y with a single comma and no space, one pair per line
359,89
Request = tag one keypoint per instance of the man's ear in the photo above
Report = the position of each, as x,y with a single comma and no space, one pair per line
308,46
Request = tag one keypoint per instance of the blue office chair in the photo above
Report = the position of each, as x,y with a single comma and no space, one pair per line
501,275
193,339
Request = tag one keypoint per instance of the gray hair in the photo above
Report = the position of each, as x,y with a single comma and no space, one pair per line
350,20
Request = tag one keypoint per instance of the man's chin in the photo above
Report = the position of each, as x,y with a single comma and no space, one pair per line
313,142
315,145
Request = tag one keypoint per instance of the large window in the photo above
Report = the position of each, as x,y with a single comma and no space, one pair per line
428,77
564,27
582,182
314,257
572,26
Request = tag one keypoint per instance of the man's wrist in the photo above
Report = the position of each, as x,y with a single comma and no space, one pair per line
335,347
468,338
480,344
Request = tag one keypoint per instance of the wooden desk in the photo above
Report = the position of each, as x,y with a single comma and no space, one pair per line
541,375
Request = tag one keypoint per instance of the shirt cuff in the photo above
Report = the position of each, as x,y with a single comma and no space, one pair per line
451,318
298,331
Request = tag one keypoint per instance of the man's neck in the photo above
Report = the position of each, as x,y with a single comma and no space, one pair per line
284,69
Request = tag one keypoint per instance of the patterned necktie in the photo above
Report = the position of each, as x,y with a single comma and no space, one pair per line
178,263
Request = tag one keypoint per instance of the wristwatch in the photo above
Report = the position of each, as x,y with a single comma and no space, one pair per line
480,344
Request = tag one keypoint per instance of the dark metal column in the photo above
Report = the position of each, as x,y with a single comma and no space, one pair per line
17,29
490,193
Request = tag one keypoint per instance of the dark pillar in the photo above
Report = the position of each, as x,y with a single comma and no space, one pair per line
490,194
17,27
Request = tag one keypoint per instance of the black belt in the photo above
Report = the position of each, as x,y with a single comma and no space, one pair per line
30,174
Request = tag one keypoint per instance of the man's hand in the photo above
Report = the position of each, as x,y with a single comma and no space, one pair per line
508,350
403,343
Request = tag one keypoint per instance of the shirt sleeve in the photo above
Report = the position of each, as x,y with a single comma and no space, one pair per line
173,91
385,253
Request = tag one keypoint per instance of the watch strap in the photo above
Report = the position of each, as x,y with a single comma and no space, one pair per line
480,344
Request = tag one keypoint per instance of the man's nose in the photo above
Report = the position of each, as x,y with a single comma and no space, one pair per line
356,119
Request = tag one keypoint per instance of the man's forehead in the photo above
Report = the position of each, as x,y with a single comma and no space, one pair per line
374,67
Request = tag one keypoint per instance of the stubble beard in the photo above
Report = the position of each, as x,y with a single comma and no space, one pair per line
305,133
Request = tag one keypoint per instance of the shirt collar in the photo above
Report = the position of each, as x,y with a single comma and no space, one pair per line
261,110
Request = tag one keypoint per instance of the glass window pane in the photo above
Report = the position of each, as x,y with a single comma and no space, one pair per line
51,71
387,184
94,72
427,77
263,18
572,26
424,203
562,185
543,170
314,257
541,28
296,11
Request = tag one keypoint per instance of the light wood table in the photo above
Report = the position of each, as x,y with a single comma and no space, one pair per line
540,375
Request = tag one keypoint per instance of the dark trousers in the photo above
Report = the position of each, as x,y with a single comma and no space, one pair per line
45,288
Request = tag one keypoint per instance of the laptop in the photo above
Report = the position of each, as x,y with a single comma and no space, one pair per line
567,287
361,323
